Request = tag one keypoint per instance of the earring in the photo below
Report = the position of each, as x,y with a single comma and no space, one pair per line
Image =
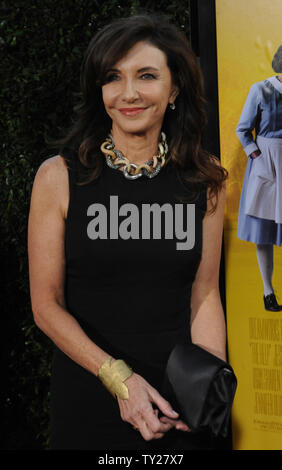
172,106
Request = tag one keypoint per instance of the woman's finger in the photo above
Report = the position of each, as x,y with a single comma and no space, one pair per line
177,423
153,422
147,433
150,426
162,404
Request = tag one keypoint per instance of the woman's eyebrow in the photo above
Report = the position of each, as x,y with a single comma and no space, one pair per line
149,67
143,69
112,70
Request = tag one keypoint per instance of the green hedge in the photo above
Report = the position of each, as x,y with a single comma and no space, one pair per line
42,43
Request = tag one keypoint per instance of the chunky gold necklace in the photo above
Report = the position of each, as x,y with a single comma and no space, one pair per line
115,159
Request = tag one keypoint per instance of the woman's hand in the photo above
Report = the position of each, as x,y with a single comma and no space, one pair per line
139,412
255,154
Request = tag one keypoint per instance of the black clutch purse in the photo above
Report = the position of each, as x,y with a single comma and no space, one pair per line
201,388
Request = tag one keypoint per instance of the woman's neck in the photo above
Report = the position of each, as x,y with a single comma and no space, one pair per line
279,77
138,148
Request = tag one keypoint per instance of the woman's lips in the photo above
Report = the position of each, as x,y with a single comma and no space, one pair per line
131,111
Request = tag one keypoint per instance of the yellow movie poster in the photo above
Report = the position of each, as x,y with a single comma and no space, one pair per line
249,48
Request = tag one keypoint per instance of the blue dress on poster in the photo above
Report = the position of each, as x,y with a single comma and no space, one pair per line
260,210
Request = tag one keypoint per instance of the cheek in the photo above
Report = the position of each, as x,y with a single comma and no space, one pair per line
158,96
109,96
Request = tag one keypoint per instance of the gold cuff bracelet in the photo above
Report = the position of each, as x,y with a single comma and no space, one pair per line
113,375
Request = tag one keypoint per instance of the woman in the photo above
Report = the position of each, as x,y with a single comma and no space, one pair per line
114,292
260,211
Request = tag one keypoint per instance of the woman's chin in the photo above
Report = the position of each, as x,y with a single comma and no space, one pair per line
132,128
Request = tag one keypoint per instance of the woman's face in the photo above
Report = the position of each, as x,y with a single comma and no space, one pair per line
138,89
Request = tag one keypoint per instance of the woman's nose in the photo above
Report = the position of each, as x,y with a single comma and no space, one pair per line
129,91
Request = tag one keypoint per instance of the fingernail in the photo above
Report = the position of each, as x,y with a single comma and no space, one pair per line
174,412
181,428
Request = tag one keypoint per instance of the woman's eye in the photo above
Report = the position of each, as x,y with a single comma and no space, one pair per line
111,77
148,76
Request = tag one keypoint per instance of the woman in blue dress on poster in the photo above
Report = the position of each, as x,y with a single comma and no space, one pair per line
260,210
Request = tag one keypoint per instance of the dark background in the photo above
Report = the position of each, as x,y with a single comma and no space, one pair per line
42,43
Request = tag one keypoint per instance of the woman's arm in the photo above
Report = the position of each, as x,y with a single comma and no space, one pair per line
46,233
207,317
46,253
248,120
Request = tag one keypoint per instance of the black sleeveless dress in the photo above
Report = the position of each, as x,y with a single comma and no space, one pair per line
128,284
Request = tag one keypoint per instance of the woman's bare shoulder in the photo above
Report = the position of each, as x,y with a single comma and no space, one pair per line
51,179
53,166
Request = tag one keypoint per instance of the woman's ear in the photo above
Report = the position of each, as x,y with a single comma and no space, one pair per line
174,93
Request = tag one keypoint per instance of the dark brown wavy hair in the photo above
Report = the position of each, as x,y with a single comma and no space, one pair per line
183,126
